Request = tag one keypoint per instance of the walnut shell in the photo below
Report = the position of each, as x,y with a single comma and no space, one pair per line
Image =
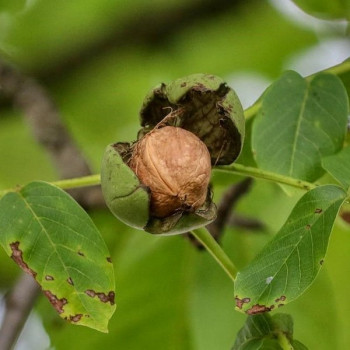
176,165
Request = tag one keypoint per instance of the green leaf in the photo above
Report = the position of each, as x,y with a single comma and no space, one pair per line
299,123
325,8
255,328
266,332
52,238
338,166
288,265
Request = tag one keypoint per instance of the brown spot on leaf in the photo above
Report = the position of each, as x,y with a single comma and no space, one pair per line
81,253
258,309
318,211
321,262
49,278
75,318
183,84
109,259
240,302
280,305
56,303
281,298
70,281
17,257
90,293
308,227
105,298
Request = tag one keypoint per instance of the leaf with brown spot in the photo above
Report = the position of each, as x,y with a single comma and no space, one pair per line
52,238
240,302
75,318
16,256
289,263
58,304
105,298
258,309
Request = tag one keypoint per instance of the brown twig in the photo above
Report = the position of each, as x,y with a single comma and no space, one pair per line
244,222
225,208
18,304
43,117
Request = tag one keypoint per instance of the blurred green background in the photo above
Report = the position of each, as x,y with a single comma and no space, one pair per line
98,59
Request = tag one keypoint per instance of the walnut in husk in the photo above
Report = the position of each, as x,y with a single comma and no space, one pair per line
160,183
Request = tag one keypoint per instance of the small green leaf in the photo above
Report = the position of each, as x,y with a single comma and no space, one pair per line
299,123
325,8
338,166
52,238
284,323
288,265
255,328
266,332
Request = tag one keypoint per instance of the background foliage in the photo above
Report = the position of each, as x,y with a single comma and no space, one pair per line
98,59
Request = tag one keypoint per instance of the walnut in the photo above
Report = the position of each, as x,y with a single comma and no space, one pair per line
176,165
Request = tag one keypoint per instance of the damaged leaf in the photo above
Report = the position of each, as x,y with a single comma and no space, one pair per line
53,239
288,264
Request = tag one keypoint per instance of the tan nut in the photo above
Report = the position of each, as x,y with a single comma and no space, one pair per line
175,164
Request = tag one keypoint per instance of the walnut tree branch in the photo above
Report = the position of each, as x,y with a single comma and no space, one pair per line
18,305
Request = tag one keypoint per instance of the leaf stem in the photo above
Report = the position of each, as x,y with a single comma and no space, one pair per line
266,175
283,341
215,250
235,168
85,181
251,111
